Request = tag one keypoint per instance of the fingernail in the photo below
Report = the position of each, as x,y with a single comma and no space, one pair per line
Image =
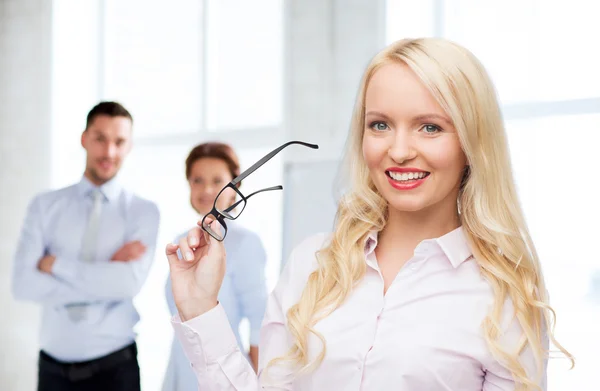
193,241
189,256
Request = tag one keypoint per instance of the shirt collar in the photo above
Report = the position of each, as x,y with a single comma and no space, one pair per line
454,245
110,189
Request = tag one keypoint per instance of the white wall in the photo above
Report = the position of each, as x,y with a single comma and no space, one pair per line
329,44
24,168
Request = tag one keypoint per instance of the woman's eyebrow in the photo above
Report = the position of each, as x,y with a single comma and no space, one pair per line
432,116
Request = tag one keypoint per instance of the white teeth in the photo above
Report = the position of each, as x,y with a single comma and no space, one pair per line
406,176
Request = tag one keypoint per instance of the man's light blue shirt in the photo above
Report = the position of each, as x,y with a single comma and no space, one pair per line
54,225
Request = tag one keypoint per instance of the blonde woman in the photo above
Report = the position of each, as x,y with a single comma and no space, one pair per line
429,281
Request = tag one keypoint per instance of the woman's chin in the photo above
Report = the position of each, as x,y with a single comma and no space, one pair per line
408,205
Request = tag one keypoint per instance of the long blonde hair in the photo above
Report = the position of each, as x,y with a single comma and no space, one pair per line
491,215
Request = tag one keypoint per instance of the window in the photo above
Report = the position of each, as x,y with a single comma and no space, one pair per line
244,64
186,67
409,19
534,51
153,63
553,164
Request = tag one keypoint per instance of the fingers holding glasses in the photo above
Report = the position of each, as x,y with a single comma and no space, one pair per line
189,244
186,251
214,227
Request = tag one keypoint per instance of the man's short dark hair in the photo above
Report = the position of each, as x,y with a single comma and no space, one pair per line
112,109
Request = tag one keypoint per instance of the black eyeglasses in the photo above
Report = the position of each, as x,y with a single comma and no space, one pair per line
231,192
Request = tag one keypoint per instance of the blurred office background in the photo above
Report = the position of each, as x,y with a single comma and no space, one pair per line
258,73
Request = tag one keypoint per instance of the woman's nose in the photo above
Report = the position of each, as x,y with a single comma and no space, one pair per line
402,147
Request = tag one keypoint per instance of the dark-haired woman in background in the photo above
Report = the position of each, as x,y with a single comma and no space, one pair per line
209,167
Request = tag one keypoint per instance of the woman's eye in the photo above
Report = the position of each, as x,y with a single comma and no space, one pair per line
379,126
431,129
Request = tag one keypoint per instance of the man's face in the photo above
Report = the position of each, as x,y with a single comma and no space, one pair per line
107,141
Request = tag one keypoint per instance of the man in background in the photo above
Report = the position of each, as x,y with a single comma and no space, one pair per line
84,252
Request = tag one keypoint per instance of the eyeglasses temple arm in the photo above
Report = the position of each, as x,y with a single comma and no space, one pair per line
268,157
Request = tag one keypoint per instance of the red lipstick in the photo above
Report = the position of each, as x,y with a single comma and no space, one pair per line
408,184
